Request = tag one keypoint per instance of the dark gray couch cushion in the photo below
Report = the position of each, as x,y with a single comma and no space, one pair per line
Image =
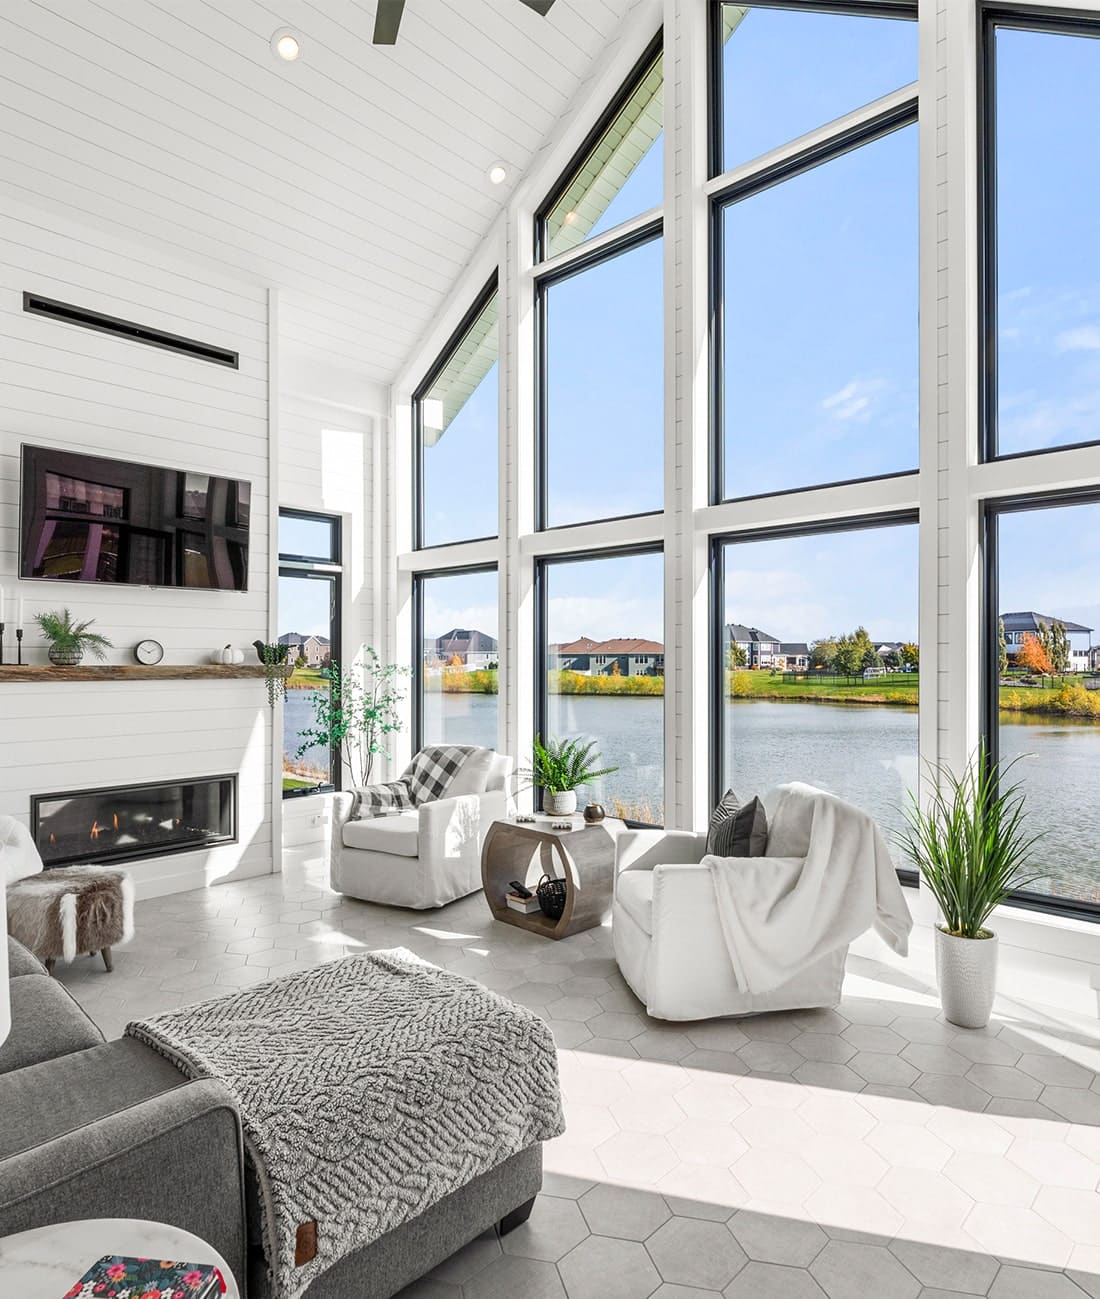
61,1095
20,961
45,1022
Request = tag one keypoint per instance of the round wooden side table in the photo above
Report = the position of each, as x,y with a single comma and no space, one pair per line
525,850
47,1262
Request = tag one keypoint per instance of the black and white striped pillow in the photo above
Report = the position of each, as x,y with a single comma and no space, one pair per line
736,830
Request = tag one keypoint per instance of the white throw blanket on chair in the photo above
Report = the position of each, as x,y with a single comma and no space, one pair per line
781,913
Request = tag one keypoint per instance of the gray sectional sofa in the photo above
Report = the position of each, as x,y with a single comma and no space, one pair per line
97,1129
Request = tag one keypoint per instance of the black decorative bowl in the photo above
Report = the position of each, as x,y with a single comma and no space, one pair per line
551,895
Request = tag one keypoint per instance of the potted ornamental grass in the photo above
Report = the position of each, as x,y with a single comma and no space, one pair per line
561,767
971,847
69,640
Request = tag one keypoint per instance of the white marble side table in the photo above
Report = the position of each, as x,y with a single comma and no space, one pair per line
45,1263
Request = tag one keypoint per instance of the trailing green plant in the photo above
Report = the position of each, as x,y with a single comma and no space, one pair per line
67,636
971,845
561,765
356,713
273,656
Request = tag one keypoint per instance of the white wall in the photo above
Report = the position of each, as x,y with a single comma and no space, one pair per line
64,386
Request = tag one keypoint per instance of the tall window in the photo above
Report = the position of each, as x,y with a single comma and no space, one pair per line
817,665
603,411
815,320
309,625
602,673
1042,256
601,323
1044,674
456,416
457,658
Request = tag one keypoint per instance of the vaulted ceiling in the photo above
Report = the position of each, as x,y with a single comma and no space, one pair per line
355,178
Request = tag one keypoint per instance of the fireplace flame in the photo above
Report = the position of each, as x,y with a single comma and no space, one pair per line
53,839
95,830
115,819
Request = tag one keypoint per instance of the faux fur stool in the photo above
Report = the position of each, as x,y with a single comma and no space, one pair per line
72,909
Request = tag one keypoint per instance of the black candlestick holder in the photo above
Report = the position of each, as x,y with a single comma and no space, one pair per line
19,646
1,644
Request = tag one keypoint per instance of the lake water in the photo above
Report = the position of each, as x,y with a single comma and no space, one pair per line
866,754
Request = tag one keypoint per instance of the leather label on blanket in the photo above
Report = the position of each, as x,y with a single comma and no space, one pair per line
305,1243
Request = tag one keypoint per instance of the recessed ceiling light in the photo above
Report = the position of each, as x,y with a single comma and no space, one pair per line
287,46
570,217
498,173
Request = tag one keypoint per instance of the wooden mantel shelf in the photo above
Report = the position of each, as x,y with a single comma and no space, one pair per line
136,672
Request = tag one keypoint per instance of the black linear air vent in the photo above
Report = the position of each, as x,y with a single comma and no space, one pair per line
65,311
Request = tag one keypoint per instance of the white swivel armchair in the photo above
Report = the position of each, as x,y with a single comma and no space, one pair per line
421,857
668,936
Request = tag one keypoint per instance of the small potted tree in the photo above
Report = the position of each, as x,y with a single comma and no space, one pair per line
70,641
356,713
561,767
971,848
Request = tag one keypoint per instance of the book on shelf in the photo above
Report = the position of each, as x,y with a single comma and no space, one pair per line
527,905
119,1275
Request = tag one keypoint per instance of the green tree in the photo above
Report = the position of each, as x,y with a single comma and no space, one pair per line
1002,648
909,654
735,655
1046,640
823,653
848,659
1059,647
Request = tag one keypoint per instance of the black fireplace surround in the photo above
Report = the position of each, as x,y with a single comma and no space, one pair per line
128,822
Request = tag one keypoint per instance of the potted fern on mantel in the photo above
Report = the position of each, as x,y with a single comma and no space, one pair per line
972,849
70,641
561,767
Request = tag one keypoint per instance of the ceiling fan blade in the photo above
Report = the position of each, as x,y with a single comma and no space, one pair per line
539,6
387,20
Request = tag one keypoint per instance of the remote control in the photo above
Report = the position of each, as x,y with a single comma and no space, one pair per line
520,890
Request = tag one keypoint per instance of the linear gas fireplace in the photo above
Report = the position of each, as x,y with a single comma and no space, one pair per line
126,822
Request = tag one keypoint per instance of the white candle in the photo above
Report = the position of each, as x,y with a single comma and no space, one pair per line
19,624
1,606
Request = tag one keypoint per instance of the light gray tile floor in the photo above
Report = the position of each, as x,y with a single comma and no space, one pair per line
871,1152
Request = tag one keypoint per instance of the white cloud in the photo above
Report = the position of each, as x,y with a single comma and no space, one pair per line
854,401
1084,338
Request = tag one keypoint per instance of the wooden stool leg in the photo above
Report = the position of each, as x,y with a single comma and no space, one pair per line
49,963
106,954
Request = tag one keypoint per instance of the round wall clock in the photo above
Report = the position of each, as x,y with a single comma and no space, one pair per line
148,652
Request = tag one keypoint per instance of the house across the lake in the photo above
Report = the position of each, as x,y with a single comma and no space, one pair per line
461,647
1082,656
624,656
761,650
315,650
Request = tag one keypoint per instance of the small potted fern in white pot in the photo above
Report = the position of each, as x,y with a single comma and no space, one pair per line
971,848
561,767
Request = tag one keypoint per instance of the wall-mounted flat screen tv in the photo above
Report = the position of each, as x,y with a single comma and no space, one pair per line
89,519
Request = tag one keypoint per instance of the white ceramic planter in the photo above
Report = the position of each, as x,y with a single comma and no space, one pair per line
966,970
564,804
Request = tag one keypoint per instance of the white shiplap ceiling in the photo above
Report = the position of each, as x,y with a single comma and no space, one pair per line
355,179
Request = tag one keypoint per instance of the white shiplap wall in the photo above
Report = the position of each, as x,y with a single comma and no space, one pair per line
69,387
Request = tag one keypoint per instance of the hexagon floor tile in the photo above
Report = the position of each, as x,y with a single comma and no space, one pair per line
868,1152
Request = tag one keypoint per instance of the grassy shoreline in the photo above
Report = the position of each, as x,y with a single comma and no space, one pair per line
898,690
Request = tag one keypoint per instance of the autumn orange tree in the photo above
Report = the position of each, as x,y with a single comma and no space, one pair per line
1033,657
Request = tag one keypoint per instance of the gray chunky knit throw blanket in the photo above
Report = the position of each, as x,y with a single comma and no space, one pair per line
369,1088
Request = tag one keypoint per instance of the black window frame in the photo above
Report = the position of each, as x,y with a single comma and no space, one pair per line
1056,22
836,146
578,265
421,391
542,623
991,511
653,51
464,570
717,592
896,9
328,569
